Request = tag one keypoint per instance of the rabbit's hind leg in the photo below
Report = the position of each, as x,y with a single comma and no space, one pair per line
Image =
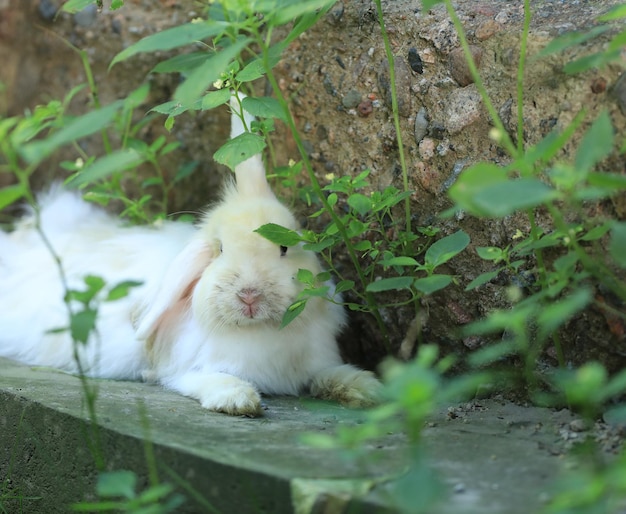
347,385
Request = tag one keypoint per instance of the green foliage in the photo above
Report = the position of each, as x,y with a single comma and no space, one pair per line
117,489
414,391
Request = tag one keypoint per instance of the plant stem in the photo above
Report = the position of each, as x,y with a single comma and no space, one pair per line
520,79
395,112
505,139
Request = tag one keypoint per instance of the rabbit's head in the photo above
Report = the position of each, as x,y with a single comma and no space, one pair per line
249,279
229,275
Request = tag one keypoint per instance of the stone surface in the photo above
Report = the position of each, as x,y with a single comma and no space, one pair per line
492,456
463,108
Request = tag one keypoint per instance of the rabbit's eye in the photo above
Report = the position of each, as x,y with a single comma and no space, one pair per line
283,251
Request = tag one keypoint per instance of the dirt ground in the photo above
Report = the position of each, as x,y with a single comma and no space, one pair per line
337,77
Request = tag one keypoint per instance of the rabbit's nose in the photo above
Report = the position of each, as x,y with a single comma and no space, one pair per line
250,299
249,296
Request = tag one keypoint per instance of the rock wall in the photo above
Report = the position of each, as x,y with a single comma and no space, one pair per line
338,80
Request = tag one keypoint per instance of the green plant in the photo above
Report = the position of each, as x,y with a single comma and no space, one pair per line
535,179
119,489
413,392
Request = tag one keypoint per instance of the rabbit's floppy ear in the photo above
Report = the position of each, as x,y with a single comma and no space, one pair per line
250,174
176,285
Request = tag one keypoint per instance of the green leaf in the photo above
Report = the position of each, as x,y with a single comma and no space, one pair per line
474,180
153,497
117,484
429,4
490,253
483,278
571,39
615,13
11,194
550,145
552,316
279,235
170,108
320,245
292,312
94,283
77,128
607,180
616,386
399,261
444,249
596,144
121,290
174,37
291,9
617,246
82,323
504,198
363,246
215,98
588,62
597,232
183,63
360,203
264,107
389,284
344,285
251,71
112,163
73,6
305,276
492,353
303,24
256,68
321,291
239,149
433,283
204,75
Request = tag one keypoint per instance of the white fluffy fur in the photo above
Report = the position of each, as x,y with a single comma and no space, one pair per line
205,322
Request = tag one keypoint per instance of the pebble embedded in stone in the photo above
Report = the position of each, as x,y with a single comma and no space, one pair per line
598,85
458,67
415,61
463,107
351,99
87,16
579,425
427,148
365,108
487,29
437,130
421,125
47,9
458,167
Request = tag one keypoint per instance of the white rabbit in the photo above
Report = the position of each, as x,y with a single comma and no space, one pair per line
205,322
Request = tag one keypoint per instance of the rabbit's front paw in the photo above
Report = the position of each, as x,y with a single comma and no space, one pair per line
347,385
232,396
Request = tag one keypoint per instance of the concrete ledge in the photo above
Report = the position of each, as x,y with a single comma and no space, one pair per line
498,458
